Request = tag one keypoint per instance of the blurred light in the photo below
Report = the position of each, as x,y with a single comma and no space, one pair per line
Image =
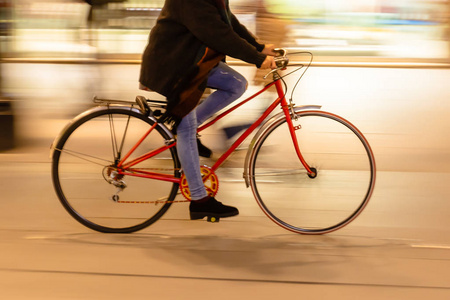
411,29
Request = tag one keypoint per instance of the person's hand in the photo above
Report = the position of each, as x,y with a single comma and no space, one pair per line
269,63
269,50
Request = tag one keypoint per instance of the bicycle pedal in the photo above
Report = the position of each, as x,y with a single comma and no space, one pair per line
213,219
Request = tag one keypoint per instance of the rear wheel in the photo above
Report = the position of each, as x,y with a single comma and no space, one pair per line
337,190
86,178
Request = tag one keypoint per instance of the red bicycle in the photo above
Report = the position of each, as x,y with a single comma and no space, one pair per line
115,167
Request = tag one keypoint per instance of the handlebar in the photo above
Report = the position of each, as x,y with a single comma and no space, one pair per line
281,60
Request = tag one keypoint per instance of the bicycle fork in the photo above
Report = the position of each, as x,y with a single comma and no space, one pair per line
288,110
312,172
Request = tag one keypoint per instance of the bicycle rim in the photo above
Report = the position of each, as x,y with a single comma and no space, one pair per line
83,165
345,173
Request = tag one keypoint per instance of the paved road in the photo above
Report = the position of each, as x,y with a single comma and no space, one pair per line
399,248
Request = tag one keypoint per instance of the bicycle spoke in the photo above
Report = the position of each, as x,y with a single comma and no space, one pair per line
116,155
85,157
273,173
124,136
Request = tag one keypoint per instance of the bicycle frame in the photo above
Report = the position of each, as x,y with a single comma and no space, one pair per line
125,168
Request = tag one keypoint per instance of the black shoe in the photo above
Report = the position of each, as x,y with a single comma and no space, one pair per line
203,150
212,209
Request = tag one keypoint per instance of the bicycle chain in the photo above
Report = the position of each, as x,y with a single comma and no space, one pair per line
156,202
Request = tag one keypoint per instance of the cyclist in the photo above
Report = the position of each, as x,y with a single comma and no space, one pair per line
185,53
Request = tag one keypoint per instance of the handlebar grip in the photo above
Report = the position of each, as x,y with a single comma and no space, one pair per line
280,51
281,61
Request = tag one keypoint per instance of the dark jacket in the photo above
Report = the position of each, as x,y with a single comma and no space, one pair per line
183,29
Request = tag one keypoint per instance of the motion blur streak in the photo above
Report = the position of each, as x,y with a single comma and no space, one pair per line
381,64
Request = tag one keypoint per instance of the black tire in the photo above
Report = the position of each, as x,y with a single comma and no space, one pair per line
85,156
332,197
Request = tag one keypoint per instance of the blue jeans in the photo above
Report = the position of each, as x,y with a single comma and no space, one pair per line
229,86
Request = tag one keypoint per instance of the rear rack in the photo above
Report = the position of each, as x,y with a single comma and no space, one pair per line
146,106
111,101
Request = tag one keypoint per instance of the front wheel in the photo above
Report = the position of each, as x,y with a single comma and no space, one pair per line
333,194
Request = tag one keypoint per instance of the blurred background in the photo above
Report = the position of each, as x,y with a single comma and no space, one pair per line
408,30
56,54
381,64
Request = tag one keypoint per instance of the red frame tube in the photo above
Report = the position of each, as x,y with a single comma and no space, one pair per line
125,168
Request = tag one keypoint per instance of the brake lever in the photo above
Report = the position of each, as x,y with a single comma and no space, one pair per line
272,71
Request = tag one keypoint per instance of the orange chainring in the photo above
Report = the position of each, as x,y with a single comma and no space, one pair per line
210,181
